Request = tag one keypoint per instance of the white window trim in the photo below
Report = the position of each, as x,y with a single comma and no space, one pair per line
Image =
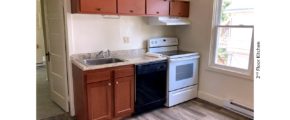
247,74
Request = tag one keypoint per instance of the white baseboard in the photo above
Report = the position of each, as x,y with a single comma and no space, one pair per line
211,98
219,101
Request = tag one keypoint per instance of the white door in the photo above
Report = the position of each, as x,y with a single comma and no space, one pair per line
56,47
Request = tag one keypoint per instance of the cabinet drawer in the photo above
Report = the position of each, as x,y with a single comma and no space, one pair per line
124,71
98,75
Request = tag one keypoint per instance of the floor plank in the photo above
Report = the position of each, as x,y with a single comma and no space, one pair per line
195,109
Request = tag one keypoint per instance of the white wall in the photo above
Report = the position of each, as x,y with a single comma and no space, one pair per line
94,32
213,87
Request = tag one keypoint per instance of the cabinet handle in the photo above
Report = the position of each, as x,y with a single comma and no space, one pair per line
98,9
157,12
109,84
117,82
131,11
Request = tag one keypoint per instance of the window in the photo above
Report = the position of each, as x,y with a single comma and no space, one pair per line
232,49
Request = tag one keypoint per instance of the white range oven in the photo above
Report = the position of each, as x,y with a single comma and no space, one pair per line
182,73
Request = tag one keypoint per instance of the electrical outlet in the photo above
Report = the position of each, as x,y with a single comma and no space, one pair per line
126,39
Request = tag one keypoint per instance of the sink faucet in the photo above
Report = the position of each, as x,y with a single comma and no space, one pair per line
101,52
108,52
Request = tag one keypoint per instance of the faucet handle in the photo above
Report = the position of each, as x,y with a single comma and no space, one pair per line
109,53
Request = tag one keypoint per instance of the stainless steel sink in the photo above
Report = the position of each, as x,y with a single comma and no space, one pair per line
102,61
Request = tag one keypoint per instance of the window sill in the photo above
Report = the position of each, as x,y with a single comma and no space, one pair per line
230,72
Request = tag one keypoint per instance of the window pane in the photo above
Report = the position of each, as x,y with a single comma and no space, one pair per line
233,47
237,12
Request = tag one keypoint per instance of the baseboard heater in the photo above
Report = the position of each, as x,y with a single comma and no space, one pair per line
238,108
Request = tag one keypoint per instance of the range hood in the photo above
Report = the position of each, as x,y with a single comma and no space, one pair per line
168,21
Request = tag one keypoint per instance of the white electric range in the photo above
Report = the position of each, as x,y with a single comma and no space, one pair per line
182,73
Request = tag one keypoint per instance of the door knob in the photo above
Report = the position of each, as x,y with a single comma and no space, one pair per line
117,82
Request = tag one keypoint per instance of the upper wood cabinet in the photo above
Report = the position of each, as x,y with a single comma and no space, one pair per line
176,8
94,6
131,7
157,7
179,8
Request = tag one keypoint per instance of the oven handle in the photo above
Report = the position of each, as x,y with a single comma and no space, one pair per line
183,59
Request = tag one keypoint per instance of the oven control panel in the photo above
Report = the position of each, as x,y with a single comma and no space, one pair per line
161,42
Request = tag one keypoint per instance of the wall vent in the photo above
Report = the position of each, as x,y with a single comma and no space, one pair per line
238,108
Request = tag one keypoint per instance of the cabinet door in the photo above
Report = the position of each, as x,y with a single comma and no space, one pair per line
131,7
98,6
124,96
99,100
157,7
179,8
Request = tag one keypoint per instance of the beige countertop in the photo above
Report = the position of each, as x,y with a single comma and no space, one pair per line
135,56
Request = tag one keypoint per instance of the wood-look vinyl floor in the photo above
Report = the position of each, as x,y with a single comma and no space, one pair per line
196,109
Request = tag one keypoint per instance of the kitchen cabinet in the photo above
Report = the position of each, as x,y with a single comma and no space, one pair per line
131,7
157,7
104,93
124,92
94,6
99,100
179,8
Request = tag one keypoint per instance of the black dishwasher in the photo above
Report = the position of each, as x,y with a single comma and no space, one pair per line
150,86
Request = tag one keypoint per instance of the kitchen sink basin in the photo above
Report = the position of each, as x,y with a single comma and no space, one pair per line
102,61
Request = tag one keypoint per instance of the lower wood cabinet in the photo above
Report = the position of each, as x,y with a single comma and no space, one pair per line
124,87
104,94
99,97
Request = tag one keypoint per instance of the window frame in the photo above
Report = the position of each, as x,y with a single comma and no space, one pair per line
244,73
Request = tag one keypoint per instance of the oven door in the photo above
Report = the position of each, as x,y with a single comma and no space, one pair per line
182,72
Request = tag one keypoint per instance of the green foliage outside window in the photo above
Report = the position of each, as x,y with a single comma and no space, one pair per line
222,56
225,16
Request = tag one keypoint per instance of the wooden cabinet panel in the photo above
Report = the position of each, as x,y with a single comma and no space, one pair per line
95,6
99,96
80,96
124,71
131,7
124,96
179,8
99,100
98,75
157,7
